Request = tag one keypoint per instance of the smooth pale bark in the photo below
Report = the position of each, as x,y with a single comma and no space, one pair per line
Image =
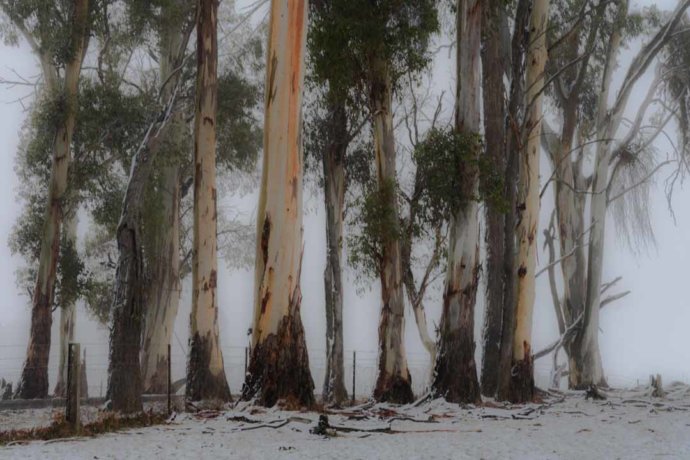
528,195
333,162
455,377
163,295
279,367
494,100
34,379
124,369
394,382
68,317
205,371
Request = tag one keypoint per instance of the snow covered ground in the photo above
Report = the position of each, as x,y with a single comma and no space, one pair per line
629,424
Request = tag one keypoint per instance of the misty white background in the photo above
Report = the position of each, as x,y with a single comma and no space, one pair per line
645,333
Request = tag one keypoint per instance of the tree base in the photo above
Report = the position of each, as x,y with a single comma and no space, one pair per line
455,372
202,384
522,380
279,368
157,384
394,389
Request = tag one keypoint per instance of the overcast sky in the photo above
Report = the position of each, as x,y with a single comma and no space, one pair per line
643,334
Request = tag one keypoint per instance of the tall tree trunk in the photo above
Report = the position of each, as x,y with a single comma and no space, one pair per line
523,369
394,383
456,372
493,54
163,291
124,370
164,288
514,119
334,194
205,370
279,368
68,316
34,379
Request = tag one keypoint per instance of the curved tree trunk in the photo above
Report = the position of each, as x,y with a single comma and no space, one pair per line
334,194
164,288
279,368
493,53
34,379
394,383
68,317
455,377
205,370
528,190
124,370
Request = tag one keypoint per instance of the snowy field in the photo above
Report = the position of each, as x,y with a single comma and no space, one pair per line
629,424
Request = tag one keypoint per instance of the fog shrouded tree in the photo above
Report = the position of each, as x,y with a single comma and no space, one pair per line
503,104
455,376
624,168
124,370
205,370
58,35
163,294
522,381
279,367
385,40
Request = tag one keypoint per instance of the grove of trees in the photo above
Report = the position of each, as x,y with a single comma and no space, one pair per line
130,135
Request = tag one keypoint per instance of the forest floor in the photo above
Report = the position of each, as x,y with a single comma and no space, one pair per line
628,424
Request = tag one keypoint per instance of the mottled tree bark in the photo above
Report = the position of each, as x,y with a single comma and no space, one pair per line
279,367
124,370
528,198
334,195
455,376
494,99
164,287
394,383
34,379
205,370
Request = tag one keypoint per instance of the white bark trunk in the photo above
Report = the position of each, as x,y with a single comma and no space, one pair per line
205,372
280,363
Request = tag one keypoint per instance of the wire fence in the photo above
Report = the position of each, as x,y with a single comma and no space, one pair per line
363,362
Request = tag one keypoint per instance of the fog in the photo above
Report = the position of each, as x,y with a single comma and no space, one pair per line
644,333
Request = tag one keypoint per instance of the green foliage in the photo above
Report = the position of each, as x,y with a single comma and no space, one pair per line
377,225
447,168
345,35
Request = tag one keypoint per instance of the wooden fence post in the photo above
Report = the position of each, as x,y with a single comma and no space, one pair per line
169,380
354,375
72,413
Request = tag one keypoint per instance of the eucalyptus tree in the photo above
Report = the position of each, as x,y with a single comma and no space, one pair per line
386,40
57,33
584,61
205,369
503,50
455,376
279,366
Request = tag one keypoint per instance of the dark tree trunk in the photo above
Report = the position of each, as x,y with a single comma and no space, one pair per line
334,194
493,57
515,115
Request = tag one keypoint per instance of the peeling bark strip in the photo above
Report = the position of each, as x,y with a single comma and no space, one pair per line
164,293
34,379
333,160
455,376
279,368
522,382
394,383
205,370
